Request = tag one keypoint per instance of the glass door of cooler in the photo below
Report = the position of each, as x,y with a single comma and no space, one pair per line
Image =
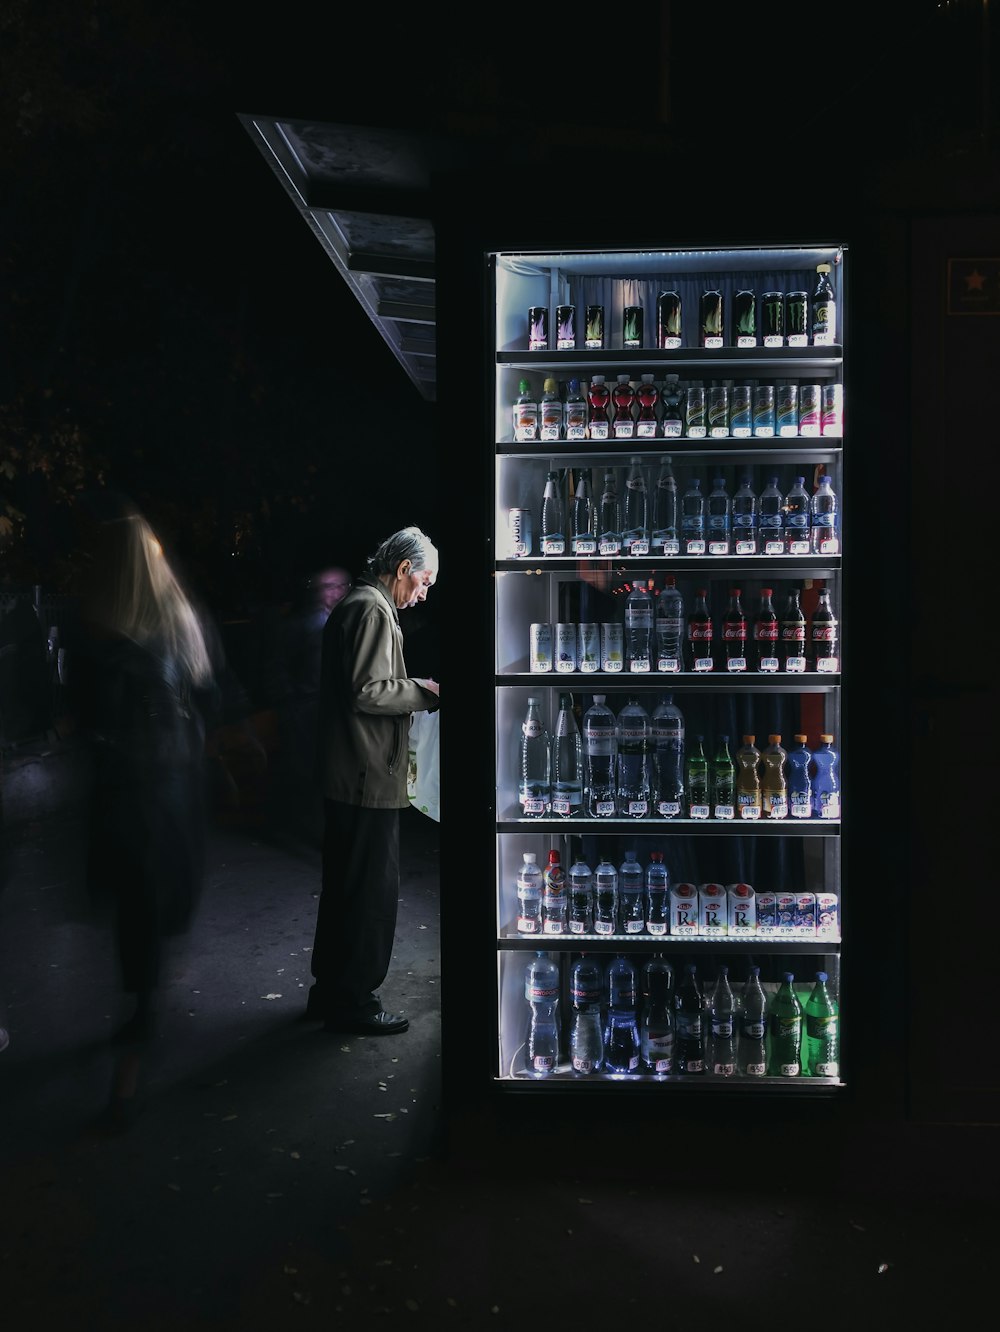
749,897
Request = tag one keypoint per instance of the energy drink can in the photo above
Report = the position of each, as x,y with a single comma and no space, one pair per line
763,411
786,410
810,409
668,320
588,653
632,326
540,648
694,412
772,318
797,319
538,328
612,648
831,411
593,337
566,639
712,328
519,528
741,412
565,327
745,319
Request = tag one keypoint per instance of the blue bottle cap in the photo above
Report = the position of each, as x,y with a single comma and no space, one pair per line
821,976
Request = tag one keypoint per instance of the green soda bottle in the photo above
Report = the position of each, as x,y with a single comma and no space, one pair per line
785,1029
821,1044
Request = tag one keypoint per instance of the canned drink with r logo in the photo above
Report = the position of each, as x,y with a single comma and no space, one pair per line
538,328
519,528
540,648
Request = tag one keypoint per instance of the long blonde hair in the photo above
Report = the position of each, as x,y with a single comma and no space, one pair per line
136,593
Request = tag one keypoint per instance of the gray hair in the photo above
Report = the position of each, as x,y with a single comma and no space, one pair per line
409,543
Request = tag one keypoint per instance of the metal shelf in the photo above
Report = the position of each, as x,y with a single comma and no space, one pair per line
708,359
513,942
684,827
788,566
824,449
684,682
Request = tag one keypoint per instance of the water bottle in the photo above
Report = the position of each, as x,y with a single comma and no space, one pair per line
689,1030
536,758
581,897
622,399
723,781
525,414
773,781
672,423
551,411
575,411
823,519
609,517
668,615
799,779
826,780
635,516
748,797
722,1008
668,759
745,519
605,898
631,896
529,895
664,538
586,1036
796,523
753,1027
554,905
698,793
621,1034
635,733
541,989
567,762
599,400
657,895
553,531
718,518
583,518
647,395
821,1041
785,1027
600,759
639,628
693,519
656,1026
771,522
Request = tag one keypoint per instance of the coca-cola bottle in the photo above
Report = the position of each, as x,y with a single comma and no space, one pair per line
765,634
699,632
792,641
824,636
734,633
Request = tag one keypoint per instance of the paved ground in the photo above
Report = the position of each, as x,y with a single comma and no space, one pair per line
284,1178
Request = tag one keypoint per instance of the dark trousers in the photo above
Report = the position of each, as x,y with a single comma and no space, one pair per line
356,921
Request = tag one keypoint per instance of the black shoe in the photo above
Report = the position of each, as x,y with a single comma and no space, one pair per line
368,1024
314,1005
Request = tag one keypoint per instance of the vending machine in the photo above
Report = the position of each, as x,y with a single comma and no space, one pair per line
665,557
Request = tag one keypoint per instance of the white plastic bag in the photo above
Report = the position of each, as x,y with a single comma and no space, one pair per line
423,768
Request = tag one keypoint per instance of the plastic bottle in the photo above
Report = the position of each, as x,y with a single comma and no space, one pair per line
575,411
826,780
631,896
535,782
723,781
824,637
699,633
586,1035
722,1007
581,897
773,780
605,898
529,895
657,895
635,735
600,759
693,519
555,907
525,414
553,529
824,526
734,633
799,779
672,397
567,762
752,1054
609,517
796,518
765,634
541,989
668,759
718,518
745,519
821,1040
785,1027
748,796
598,402
639,628
689,1029
664,536
621,1034
792,639
696,782
623,400
583,517
635,515
824,309
551,411
771,521
656,1025
668,615
647,395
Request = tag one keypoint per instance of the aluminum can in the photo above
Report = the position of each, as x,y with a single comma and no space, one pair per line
832,410
810,409
538,328
565,327
632,327
741,411
763,411
712,322
797,319
694,412
593,337
718,412
786,410
588,652
566,647
519,528
612,648
745,319
540,648
668,319
772,318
